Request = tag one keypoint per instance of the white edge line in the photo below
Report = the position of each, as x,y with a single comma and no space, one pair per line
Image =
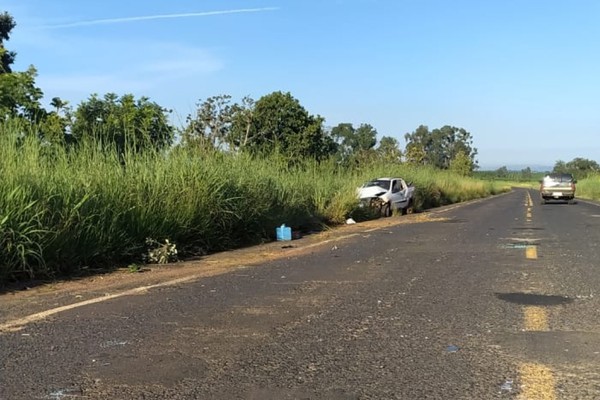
19,323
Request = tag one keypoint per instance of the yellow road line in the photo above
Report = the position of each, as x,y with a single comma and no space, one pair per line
537,382
536,319
531,252
529,201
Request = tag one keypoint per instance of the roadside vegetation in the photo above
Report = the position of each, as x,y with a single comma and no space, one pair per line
67,210
589,187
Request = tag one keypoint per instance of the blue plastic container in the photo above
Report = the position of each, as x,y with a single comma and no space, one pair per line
283,233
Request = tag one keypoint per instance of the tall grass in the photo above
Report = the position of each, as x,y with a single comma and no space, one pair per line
589,187
63,210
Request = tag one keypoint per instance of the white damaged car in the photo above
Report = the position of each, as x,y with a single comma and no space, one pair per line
387,195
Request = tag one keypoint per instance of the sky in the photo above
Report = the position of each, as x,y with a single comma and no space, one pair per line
520,76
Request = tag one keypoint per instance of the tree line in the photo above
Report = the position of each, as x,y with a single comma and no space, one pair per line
276,122
579,167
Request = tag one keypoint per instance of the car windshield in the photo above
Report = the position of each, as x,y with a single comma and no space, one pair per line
382,183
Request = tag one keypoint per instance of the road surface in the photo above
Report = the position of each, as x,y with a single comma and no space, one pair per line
492,299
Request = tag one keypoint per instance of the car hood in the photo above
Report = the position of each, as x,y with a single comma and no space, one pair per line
371,191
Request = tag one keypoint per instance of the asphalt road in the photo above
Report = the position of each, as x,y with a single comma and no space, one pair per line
494,299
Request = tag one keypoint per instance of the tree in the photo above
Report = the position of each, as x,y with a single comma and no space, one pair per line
54,127
354,140
19,97
123,122
243,117
211,127
7,23
526,174
339,134
388,150
502,172
355,143
342,131
280,123
578,167
461,164
365,138
415,154
583,166
58,104
560,167
441,146
419,146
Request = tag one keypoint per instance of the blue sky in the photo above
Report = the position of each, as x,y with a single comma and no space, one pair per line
520,76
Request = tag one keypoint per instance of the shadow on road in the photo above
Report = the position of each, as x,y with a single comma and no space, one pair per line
530,299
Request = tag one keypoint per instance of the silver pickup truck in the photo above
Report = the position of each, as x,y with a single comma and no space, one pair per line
387,194
557,187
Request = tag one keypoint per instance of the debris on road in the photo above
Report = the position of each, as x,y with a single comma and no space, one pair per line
507,386
452,348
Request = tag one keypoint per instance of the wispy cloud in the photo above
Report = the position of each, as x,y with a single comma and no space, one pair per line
154,17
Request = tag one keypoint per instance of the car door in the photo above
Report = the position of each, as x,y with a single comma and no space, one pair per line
398,194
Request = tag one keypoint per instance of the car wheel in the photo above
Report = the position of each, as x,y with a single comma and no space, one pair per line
409,209
386,210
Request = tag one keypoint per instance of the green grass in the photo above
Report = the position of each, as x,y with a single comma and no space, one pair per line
589,187
65,211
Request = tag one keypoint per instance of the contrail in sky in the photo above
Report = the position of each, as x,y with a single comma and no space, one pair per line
153,17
